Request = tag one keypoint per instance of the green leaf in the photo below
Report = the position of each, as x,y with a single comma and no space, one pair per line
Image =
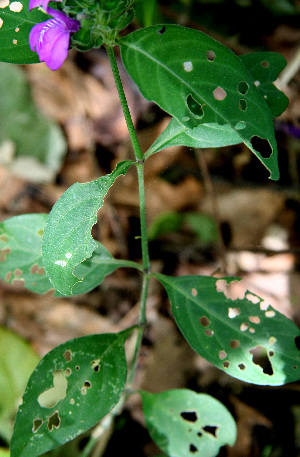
164,223
15,25
182,423
17,361
265,68
244,336
35,144
21,257
200,81
67,237
73,387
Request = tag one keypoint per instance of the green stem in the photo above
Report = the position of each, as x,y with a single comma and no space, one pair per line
114,66
143,223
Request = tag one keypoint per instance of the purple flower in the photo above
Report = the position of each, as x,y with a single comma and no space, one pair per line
50,39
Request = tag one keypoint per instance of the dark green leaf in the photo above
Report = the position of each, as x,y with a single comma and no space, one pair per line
73,387
244,336
183,423
15,24
67,237
200,81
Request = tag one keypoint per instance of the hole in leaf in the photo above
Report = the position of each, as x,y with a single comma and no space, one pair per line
194,292
271,353
190,416
1,22
54,421
67,372
194,107
222,355
77,368
193,449
256,83
241,366
233,312
16,7
297,342
226,364
254,299
162,30
254,319
262,146
50,397
211,429
4,3
210,55
265,64
68,356
272,340
234,344
188,66
252,330
270,313
243,105
242,87
244,326
260,358
37,423
96,365
209,332
219,93
87,384
264,305
199,434
204,321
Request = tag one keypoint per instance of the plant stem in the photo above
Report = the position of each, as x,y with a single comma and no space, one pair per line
114,66
140,162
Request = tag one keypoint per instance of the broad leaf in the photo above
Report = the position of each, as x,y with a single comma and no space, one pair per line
182,423
21,257
73,387
243,336
200,81
67,237
15,25
17,361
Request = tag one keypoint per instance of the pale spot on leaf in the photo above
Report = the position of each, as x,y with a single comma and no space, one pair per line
254,319
15,41
188,66
50,397
272,340
68,255
61,263
17,29
222,355
270,313
219,93
1,22
233,312
16,7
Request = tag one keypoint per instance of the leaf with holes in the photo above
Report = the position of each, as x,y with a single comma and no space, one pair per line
21,257
265,68
183,423
15,25
235,330
67,237
73,387
207,82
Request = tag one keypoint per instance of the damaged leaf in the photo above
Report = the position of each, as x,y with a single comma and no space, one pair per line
184,423
208,82
67,237
240,334
73,387
21,257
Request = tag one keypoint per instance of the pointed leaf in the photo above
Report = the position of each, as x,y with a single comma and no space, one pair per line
21,257
67,237
73,387
207,81
243,336
264,68
15,25
182,423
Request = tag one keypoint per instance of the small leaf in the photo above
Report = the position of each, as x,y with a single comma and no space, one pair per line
73,387
15,25
17,361
67,237
202,136
207,81
184,423
238,333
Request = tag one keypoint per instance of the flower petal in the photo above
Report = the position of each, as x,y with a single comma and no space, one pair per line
59,52
71,24
34,35
34,4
